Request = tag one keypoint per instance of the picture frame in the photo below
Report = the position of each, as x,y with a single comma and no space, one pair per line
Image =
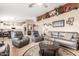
60,23
70,21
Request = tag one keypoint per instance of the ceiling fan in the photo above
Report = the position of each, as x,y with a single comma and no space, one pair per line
37,4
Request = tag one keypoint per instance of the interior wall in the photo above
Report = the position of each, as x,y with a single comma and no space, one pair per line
17,23
64,16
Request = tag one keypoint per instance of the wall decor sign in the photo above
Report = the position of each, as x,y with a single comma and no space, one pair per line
49,24
39,18
70,21
60,23
59,10
67,7
53,12
70,6
46,15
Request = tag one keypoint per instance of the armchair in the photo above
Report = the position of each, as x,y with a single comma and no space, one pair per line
18,40
37,37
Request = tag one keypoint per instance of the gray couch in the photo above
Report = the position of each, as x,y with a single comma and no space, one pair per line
18,40
66,39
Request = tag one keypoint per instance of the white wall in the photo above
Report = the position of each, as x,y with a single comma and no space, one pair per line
65,16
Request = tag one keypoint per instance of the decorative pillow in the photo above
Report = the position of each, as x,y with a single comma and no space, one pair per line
2,48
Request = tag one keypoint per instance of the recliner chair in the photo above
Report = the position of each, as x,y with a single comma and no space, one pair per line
18,40
37,37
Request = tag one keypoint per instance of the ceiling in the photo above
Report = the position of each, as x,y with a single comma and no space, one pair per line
21,11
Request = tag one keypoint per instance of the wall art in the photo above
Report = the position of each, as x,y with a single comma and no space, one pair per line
47,24
70,21
60,23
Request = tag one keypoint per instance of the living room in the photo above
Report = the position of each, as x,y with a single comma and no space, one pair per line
39,29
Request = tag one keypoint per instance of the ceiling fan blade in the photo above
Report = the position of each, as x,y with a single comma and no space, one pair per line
31,4
45,5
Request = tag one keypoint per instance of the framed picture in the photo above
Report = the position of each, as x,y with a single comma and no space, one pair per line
60,23
70,21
